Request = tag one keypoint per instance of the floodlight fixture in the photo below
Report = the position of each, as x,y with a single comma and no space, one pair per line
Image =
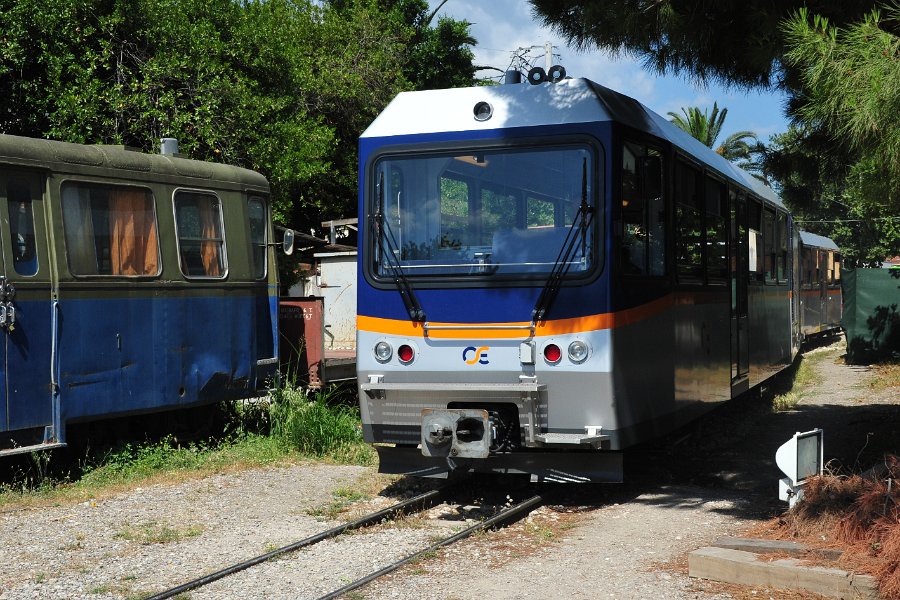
800,458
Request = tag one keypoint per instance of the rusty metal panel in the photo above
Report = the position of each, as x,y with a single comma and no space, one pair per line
302,340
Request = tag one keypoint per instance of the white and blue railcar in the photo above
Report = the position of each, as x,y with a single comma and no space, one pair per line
551,273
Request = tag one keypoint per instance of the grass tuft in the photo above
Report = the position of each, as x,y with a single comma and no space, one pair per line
317,426
786,402
287,427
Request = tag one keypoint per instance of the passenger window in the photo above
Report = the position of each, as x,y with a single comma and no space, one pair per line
716,233
807,267
198,225
755,242
21,229
769,241
643,211
783,243
256,211
688,224
110,230
836,280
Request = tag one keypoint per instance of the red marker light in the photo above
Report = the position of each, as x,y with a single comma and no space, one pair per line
405,353
552,353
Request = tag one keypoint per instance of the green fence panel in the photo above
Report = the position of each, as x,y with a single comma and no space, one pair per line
871,316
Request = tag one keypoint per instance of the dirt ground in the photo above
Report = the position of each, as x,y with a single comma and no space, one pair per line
627,541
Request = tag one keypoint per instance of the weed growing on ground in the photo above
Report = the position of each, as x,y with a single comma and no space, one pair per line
885,376
157,533
288,426
318,426
786,402
862,514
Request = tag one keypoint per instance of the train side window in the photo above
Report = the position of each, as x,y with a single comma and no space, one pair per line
256,213
716,233
688,224
807,267
782,247
836,273
21,229
755,242
110,230
769,241
643,211
201,243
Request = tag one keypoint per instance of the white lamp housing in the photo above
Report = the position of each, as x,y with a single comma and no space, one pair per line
800,458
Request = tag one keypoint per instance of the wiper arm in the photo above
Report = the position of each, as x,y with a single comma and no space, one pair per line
388,250
580,224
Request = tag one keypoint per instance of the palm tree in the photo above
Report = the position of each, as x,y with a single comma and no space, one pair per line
707,127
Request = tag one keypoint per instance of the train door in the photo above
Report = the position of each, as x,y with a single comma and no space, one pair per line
25,313
739,272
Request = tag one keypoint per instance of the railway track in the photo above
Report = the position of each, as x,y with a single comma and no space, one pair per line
409,506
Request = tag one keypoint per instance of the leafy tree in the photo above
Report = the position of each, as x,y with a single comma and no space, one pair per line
706,127
435,56
851,88
828,195
702,126
281,86
708,40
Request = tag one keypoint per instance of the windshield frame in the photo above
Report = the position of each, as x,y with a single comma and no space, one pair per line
597,185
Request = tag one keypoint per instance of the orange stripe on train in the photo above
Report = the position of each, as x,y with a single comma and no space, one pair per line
543,328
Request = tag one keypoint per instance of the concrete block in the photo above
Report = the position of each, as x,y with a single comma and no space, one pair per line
770,546
746,568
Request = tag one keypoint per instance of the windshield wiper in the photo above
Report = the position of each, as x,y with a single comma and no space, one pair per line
386,247
583,219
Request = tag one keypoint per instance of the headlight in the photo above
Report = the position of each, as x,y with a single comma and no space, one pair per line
578,351
383,351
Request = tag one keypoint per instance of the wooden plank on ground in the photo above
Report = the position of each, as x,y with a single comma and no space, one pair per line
746,568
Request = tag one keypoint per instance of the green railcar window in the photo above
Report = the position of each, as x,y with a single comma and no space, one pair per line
21,229
201,241
110,230
256,212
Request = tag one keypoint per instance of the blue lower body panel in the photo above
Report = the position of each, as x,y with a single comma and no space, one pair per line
132,355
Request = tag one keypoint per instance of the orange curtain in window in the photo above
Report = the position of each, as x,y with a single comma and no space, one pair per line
209,247
133,247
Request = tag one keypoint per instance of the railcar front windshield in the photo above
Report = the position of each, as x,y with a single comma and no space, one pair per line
503,212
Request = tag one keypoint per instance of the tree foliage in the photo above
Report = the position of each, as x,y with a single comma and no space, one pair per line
851,89
708,40
840,169
706,127
281,86
837,60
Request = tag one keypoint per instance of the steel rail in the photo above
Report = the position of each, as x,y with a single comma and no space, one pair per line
497,519
370,519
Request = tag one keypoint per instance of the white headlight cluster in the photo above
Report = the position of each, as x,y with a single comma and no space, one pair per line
383,351
578,351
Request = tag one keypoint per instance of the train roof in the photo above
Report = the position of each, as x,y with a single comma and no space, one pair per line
818,241
525,105
66,156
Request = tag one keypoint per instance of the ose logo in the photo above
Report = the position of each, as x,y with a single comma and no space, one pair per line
472,355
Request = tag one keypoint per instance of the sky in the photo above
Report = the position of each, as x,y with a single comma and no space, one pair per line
502,26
